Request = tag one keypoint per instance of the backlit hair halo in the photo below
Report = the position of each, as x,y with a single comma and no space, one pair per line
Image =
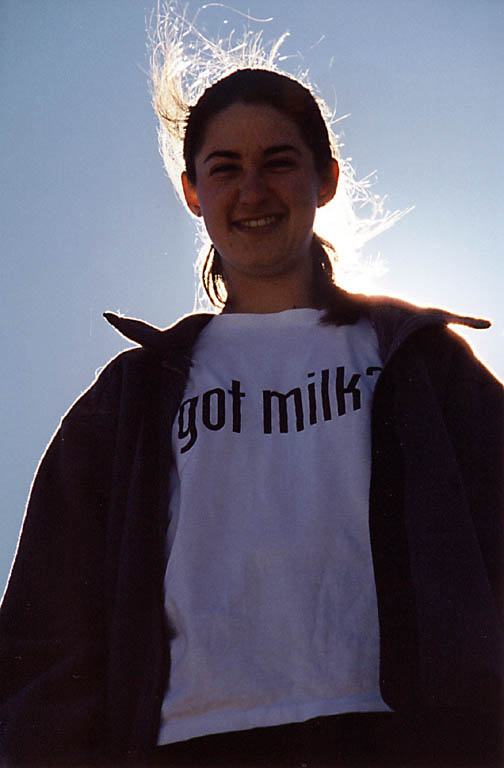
184,66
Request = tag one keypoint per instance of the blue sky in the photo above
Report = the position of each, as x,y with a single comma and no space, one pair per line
89,221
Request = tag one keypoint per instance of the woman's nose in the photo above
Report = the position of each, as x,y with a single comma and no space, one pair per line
252,187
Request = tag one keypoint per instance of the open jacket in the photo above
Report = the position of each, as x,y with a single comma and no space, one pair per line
83,635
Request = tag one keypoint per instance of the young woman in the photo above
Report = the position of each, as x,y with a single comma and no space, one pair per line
273,535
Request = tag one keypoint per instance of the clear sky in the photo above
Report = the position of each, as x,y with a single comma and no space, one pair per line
89,221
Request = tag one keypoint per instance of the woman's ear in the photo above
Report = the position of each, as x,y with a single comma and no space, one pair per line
190,194
328,183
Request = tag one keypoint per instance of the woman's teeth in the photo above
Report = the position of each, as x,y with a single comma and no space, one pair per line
263,222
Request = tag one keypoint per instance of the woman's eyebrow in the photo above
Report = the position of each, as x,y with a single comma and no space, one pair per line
230,155
222,153
281,148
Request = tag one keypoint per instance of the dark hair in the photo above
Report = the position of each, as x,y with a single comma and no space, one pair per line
258,86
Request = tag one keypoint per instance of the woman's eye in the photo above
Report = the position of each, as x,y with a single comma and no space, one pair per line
224,168
281,163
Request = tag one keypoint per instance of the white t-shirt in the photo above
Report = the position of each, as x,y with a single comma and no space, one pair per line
269,588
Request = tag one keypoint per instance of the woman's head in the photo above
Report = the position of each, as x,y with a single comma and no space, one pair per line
257,187
194,78
270,111
258,165
259,86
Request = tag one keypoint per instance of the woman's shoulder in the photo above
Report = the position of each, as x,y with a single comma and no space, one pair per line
397,321
130,377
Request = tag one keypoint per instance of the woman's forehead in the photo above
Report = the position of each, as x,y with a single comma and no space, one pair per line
250,127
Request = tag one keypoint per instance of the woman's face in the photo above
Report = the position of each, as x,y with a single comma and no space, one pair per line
257,190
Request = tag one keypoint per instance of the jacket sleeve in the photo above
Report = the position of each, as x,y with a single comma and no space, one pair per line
52,648
475,417
473,406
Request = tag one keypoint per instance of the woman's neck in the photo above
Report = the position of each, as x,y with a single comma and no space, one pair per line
273,294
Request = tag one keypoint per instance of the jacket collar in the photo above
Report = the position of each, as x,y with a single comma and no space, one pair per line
394,321
178,337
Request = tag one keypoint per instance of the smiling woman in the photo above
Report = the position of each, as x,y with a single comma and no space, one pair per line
272,535
256,185
194,82
278,170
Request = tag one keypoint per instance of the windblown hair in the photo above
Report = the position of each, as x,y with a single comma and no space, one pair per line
193,78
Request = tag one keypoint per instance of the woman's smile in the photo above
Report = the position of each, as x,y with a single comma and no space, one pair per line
259,224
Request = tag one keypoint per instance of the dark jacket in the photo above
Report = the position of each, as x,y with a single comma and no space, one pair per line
84,644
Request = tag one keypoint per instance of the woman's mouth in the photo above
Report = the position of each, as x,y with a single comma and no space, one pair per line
257,223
